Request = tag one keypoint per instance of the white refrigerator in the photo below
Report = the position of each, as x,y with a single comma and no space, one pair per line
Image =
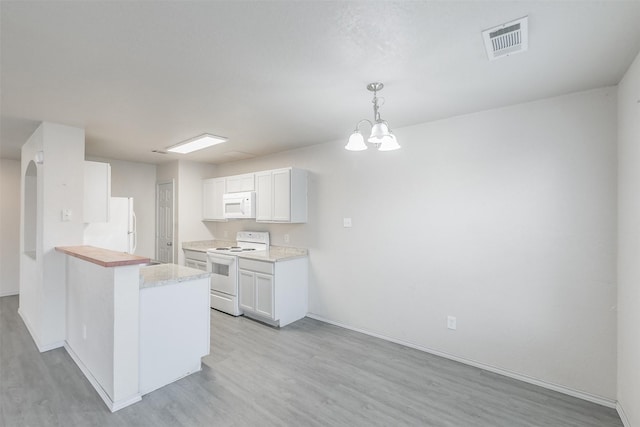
119,233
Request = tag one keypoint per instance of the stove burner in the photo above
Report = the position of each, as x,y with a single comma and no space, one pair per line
235,249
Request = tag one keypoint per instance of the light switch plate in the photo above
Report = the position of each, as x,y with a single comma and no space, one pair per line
346,222
451,322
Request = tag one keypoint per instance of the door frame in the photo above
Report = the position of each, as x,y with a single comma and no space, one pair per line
173,217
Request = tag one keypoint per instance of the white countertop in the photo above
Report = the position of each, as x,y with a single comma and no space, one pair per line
168,274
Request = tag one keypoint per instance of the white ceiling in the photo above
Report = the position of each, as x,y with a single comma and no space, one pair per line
272,76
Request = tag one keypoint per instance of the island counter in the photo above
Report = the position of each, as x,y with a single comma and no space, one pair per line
128,332
102,257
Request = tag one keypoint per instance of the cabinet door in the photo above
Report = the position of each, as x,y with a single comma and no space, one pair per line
281,195
212,192
218,194
238,183
207,199
247,296
264,197
97,191
264,295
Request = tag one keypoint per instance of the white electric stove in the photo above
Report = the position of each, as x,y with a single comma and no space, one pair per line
222,263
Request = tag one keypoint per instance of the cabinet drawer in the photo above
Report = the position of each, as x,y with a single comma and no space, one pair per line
200,265
257,266
195,255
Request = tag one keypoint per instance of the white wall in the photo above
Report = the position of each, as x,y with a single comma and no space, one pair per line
190,221
505,219
60,181
629,245
137,180
9,227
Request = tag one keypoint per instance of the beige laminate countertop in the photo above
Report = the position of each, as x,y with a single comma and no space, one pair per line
203,245
273,254
103,257
168,274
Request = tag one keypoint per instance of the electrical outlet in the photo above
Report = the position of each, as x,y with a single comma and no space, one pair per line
286,238
65,215
451,322
225,233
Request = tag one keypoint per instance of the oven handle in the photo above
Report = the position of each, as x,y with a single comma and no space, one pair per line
223,260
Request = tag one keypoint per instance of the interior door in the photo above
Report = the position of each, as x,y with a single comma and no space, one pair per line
164,222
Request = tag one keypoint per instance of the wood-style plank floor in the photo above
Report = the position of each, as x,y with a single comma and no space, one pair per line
306,374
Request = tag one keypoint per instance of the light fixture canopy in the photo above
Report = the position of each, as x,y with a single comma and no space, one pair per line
198,143
381,136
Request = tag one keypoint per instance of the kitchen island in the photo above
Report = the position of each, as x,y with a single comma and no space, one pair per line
133,329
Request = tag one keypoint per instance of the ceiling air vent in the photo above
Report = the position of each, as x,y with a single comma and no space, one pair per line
507,39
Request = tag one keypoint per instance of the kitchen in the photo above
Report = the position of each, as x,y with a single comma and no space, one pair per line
540,189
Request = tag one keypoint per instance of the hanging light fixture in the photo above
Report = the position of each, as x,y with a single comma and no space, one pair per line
381,136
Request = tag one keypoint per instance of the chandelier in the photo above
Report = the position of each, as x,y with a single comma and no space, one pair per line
381,136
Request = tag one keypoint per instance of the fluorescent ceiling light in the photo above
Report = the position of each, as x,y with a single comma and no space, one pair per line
198,143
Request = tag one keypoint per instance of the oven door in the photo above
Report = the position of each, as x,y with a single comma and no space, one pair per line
224,273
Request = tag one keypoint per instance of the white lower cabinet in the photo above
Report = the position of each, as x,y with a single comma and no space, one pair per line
200,265
274,292
195,259
256,293
264,295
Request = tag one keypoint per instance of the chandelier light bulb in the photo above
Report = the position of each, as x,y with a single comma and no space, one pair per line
356,142
389,143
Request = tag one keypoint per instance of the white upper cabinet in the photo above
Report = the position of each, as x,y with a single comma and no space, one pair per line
281,195
212,191
264,196
97,191
239,183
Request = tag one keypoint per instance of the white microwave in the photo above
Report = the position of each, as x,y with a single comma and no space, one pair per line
239,205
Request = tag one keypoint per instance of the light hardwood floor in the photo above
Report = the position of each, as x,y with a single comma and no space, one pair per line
306,374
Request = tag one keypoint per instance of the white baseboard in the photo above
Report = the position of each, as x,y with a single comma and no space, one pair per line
113,406
623,416
36,339
9,293
551,386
